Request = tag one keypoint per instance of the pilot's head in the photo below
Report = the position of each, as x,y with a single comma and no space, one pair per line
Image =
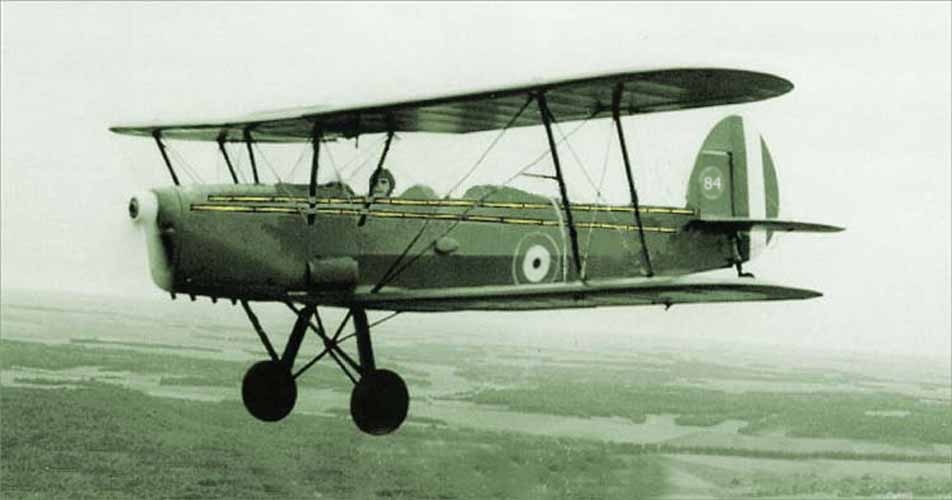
382,183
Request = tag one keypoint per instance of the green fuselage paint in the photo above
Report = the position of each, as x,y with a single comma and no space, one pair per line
253,241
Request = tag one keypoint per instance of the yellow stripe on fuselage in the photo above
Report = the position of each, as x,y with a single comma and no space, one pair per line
303,210
360,200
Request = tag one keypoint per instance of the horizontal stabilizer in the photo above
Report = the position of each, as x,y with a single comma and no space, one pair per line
735,224
594,293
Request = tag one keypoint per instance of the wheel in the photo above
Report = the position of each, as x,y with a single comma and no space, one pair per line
379,402
268,390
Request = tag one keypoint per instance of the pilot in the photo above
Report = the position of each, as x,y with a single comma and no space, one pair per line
382,183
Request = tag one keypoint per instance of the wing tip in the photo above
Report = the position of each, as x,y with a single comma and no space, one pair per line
130,130
795,293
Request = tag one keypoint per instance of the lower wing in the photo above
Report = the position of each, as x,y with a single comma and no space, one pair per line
615,292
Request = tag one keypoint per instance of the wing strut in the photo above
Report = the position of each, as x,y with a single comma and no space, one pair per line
616,116
221,147
383,157
251,154
547,119
312,186
157,134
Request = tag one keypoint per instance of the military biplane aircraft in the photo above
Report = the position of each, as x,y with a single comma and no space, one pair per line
494,248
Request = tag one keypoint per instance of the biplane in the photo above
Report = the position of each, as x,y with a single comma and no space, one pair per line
495,248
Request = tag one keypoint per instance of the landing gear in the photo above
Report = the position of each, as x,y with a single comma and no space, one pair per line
268,391
379,400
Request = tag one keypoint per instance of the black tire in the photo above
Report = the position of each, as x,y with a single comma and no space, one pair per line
379,402
269,391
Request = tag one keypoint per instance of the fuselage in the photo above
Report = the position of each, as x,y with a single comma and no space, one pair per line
254,241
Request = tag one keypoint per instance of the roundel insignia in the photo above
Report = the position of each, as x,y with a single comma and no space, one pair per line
712,182
536,259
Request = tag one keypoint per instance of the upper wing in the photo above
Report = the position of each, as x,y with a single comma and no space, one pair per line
616,292
573,99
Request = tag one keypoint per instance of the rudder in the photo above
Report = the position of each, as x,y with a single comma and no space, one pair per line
734,176
718,184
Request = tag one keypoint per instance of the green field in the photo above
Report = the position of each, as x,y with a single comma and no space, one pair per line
92,411
98,440
818,414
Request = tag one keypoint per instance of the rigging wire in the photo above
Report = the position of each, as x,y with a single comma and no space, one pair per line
297,163
260,154
218,165
614,218
492,145
578,160
330,158
365,158
599,195
236,164
280,185
393,266
186,167
395,271
601,183
375,323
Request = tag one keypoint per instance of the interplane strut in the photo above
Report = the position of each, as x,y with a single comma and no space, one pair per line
315,162
157,134
224,152
616,116
547,120
375,174
251,153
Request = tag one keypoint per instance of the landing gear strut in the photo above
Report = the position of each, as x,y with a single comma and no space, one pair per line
379,400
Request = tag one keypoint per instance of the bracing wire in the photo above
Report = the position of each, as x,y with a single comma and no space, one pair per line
393,267
186,167
371,325
395,271
366,154
578,160
364,158
267,162
218,169
601,183
337,176
492,145
280,184
599,196
297,162
236,161
330,158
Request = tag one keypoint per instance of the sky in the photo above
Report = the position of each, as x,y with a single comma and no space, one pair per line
861,142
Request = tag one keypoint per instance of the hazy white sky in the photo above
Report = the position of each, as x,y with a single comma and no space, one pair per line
863,141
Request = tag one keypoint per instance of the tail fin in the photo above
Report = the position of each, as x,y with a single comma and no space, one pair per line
734,176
